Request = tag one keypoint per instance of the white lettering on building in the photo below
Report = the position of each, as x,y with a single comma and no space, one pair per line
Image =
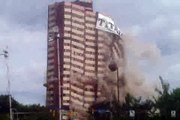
107,24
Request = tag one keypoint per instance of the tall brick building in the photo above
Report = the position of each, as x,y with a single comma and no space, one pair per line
75,57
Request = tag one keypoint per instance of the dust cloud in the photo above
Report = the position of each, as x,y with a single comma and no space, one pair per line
128,57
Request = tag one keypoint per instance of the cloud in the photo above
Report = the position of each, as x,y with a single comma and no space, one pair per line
30,97
24,12
175,20
172,75
136,30
159,22
29,79
175,35
171,3
27,61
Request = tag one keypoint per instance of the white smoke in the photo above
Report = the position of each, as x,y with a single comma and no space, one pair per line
133,79
137,53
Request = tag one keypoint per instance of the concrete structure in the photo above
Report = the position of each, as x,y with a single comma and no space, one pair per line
75,59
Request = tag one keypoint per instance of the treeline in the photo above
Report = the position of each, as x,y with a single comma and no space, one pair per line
164,107
4,106
22,112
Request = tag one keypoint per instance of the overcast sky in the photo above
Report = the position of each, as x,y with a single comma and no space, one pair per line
23,28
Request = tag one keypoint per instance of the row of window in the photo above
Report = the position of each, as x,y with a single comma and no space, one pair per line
76,56
51,24
73,58
90,30
50,55
88,24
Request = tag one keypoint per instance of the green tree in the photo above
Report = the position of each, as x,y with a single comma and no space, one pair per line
168,101
175,98
164,100
35,111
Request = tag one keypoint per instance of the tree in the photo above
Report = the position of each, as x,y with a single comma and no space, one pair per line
168,101
4,104
36,111
175,97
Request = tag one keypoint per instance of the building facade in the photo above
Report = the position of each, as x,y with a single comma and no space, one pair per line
75,58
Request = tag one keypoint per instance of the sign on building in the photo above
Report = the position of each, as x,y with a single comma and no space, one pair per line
107,24
173,113
131,113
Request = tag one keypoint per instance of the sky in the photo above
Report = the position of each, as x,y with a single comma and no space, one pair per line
23,28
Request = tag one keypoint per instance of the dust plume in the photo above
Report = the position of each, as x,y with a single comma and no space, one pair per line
127,54
137,53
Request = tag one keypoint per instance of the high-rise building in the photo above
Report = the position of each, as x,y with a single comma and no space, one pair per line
76,56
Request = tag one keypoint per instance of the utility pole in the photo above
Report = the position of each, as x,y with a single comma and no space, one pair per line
5,54
57,38
114,67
